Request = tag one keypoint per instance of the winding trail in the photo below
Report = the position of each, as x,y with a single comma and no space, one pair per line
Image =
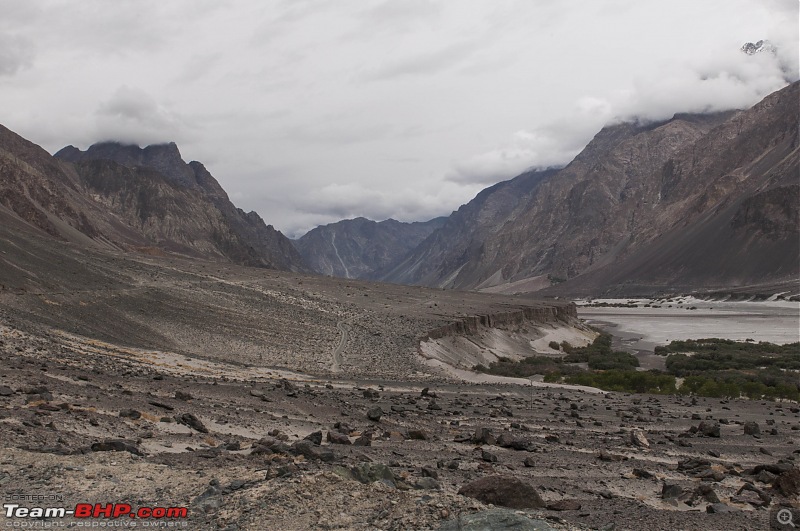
344,328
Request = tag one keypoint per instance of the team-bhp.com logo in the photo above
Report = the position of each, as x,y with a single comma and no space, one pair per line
97,510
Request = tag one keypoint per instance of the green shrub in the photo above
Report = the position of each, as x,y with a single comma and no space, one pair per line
554,345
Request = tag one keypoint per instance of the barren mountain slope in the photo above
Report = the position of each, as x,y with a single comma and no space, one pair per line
356,248
178,206
719,192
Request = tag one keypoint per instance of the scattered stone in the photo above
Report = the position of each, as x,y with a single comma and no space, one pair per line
564,505
365,439
642,474
788,483
529,462
488,456
708,429
371,393
181,395
161,405
314,437
752,428
334,437
130,414
256,393
638,439
374,414
116,445
418,435
670,491
433,406
506,491
209,501
609,457
188,419
371,472
427,483
6,390
483,436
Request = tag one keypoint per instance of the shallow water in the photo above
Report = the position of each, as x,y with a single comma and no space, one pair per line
644,328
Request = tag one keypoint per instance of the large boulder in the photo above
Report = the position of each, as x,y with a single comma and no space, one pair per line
505,491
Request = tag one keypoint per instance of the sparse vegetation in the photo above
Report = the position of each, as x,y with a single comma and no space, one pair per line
554,345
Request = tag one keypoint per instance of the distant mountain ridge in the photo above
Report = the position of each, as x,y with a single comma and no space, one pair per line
695,201
142,199
357,248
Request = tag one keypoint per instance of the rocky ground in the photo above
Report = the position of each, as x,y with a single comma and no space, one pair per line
252,450
268,400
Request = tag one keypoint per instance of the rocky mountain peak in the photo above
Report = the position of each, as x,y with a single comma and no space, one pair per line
761,46
163,158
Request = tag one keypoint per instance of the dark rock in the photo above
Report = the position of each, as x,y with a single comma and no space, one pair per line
564,505
708,429
426,483
671,490
335,437
371,393
374,413
506,491
6,390
752,428
365,439
116,445
161,405
507,440
764,499
642,474
483,436
181,395
433,406
428,472
529,462
130,414
609,457
418,434
314,437
788,483
209,501
371,472
188,419
311,451
488,456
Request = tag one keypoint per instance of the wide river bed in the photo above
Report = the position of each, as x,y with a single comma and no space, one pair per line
642,329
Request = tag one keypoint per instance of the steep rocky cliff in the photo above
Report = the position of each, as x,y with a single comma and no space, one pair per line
126,197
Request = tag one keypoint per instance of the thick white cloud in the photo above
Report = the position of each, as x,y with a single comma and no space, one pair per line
308,110
132,116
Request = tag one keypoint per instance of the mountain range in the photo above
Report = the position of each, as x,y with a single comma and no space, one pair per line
699,201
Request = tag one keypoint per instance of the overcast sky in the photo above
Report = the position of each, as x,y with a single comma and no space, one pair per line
311,111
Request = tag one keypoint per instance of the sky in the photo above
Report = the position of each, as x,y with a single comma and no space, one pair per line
311,111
